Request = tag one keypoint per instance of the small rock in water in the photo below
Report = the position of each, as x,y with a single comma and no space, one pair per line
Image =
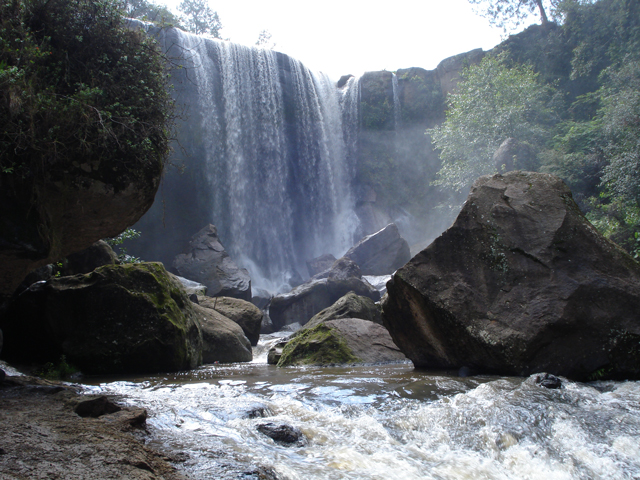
285,434
548,381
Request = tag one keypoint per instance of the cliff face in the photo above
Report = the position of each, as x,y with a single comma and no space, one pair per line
396,162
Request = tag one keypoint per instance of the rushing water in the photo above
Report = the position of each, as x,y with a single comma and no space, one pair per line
388,422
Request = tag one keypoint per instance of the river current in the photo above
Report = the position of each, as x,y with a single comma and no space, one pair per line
386,422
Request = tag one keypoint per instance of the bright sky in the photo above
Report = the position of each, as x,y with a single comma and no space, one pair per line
354,36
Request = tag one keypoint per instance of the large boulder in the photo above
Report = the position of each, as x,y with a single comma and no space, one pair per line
303,302
223,339
207,262
131,318
245,314
380,253
341,341
348,306
520,283
92,257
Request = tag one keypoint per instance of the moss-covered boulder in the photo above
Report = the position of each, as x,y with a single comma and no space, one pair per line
349,306
245,314
130,318
339,342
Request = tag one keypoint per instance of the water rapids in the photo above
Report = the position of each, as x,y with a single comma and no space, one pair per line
387,422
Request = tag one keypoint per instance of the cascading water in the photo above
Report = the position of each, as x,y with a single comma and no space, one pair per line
276,154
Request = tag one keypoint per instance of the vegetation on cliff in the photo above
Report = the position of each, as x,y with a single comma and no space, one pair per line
76,84
578,106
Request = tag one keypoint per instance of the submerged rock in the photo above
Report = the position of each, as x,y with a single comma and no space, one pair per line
341,341
132,318
381,253
283,433
207,262
245,314
520,283
548,381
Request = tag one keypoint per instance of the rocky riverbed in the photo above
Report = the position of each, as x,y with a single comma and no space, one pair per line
44,438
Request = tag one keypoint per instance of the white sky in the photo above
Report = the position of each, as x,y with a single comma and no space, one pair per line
354,36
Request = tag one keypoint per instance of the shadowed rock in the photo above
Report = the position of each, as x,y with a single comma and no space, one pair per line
207,262
380,253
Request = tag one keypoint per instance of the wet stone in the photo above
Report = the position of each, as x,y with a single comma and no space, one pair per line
96,407
283,434
548,381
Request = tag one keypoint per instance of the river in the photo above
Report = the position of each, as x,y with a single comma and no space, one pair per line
386,422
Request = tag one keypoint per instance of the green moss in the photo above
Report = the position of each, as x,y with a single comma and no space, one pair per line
320,345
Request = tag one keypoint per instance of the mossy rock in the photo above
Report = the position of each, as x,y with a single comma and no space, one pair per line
320,345
349,306
133,318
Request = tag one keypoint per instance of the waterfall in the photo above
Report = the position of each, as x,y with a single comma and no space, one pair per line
270,157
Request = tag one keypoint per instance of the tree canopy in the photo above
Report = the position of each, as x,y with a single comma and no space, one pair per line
200,18
491,104
77,83
510,14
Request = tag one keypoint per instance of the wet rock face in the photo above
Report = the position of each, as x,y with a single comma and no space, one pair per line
521,283
133,318
283,434
207,262
380,253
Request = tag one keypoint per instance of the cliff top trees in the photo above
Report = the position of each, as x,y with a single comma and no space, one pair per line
199,18
510,14
492,103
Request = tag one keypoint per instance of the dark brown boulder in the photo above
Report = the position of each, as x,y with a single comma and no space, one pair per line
223,341
520,283
208,263
70,208
245,314
380,253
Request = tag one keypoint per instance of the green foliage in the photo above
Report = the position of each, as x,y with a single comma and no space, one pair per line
116,243
511,14
492,103
620,114
377,116
56,371
199,18
77,84
151,12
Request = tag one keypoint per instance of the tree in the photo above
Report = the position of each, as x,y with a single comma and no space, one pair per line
76,83
199,18
150,12
510,14
264,40
492,103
